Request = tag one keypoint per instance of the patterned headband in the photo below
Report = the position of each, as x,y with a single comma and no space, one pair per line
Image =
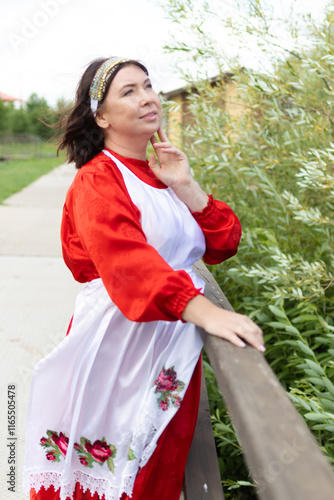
98,85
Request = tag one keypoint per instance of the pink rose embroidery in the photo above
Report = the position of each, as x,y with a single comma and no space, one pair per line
163,405
168,385
61,441
55,445
100,452
167,381
177,401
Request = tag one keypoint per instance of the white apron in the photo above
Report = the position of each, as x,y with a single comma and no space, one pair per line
101,399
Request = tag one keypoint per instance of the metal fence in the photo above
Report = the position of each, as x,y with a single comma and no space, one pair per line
20,146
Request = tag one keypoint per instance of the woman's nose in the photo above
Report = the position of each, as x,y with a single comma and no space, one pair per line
145,96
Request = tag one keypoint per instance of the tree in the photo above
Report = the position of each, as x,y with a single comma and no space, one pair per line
40,114
273,162
4,116
20,122
34,118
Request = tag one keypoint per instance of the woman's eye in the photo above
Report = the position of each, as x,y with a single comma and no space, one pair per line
128,92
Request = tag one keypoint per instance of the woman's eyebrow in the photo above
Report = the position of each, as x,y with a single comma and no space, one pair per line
134,84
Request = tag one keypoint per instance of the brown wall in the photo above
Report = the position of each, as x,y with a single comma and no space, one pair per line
179,115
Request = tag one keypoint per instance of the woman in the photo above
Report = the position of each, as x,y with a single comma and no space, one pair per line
113,409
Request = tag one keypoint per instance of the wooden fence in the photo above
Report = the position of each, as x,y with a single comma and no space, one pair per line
283,458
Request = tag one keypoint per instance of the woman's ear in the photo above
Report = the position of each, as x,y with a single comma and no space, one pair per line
100,119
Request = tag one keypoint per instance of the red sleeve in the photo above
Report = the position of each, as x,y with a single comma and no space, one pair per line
222,231
136,277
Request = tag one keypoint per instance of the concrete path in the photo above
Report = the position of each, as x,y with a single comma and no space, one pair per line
37,295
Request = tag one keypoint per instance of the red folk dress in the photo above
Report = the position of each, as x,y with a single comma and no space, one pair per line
125,382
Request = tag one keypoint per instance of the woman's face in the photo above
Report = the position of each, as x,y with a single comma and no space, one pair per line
131,108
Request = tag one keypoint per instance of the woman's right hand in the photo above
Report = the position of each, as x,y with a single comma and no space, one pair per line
232,326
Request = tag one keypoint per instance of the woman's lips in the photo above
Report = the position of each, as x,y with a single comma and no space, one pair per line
149,116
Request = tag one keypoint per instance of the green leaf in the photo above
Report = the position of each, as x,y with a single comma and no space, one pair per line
315,367
208,367
113,449
180,385
284,326
278,312
303,347
301,401
131,455
292,329
316,381
84,440
245,483
305,317
110,464
317,417
327,404
329,385
315,407
310,373
320,427
222,427
277,325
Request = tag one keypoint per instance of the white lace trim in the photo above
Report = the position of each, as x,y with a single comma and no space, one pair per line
147,454
146,432
87,482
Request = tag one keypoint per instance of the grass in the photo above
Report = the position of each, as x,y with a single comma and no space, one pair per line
16,174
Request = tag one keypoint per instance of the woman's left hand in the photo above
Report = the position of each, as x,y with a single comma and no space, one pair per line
172,167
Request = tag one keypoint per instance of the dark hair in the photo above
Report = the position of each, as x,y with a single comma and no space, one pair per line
80,135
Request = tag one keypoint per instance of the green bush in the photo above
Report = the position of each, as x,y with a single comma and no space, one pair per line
273,162
35,117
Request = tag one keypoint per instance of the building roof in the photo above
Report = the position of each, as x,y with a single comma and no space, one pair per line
6,97
185,89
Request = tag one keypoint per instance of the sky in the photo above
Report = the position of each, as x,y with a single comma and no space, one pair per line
45,45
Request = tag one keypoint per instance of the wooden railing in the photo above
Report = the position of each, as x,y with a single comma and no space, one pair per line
283,458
